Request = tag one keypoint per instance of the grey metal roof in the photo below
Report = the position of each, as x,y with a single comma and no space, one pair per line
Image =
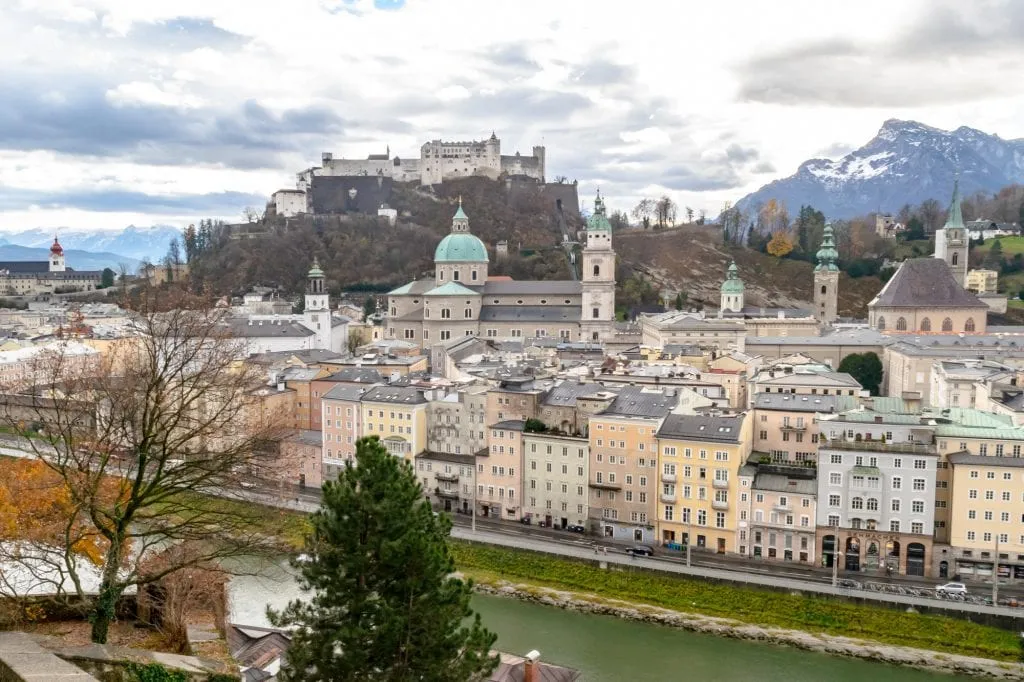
249,329
786,484
402,395
25,267
301,373
566,393
844,337
925,282
802,378
307,437
510,425
346,392
305,355
533,287
982,460
633,401
797,402
700,427
529,313
452,458
356,375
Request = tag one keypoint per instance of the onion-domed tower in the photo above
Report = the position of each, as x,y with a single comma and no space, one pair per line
56,257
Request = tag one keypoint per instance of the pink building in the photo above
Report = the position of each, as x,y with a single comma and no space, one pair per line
499,472
340,426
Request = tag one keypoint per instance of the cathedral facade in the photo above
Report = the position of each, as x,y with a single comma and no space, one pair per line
461,299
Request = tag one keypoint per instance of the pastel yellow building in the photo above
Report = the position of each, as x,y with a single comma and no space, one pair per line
988,516
982,281
699,458
398,415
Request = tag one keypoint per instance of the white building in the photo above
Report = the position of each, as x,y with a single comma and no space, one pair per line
556,475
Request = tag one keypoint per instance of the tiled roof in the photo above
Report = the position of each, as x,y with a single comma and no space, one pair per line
403,395
702,428
346,392
922,283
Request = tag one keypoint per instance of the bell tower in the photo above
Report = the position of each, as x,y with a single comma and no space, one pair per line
317,312
951,240
826,280
56,257
597,317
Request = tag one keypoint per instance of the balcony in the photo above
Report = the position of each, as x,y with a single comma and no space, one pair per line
442,476
793,427
784,508
668,478
605,485
720,505
449,493
878,446
668,499
721,485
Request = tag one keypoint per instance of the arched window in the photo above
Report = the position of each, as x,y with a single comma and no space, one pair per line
926,325
901,325
824,288
872,504
947,325
969,325
857,503
956,258
597,270
881,324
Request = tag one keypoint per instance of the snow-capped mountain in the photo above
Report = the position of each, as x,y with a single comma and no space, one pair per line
137,243
906,163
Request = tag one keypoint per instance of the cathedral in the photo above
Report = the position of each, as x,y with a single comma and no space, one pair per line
461,299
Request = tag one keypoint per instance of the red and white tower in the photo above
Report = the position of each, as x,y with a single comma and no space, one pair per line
56,257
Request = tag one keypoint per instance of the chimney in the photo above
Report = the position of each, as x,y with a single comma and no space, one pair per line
530,673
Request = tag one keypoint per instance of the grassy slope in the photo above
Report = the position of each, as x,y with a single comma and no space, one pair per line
693,260
1010,245
773,609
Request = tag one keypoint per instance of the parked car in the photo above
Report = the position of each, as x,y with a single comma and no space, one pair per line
640,550
951,588
576,529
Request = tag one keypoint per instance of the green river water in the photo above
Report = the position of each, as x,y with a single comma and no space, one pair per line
607,649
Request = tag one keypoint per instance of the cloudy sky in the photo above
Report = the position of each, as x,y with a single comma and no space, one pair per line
117,112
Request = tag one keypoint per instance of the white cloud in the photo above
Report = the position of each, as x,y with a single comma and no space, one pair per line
643,98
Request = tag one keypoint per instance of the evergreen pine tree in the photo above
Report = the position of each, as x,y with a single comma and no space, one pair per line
383,604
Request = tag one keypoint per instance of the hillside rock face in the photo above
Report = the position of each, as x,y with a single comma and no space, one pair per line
905,163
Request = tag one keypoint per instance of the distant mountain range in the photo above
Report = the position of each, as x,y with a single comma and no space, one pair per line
905,163
111,247
76,259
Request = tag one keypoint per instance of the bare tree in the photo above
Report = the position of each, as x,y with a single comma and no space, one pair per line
689,215
250,214
643,210
665,211
931,215
142,442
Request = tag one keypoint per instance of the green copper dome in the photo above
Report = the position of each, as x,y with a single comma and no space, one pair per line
956,216
598,221
315,271
827,254
461,247
732,284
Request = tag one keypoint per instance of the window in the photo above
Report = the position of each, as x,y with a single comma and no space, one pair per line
835,478
918,484
857,503
836,459
926,325
969,324
895,504
833,501
917,507
901,325
872,504
596,313
947,324
669,512
894,526
920,464
916,527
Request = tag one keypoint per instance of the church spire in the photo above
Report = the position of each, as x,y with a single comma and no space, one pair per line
956,216
827,254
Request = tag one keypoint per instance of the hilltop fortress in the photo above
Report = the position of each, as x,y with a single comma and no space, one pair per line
438,161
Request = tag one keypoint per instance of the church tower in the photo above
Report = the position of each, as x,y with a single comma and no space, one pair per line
597,318
317,313
826,280
732,290
951,240
56,257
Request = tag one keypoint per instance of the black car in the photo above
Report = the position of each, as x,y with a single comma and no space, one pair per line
640,550
576,529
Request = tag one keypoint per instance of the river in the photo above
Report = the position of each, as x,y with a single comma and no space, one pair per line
608,649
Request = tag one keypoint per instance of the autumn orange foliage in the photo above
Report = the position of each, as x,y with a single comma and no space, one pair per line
38,507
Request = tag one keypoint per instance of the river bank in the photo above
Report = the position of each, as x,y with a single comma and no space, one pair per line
723,627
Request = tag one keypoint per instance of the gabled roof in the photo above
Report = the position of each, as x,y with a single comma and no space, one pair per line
814,378
925,283
451,289
420,286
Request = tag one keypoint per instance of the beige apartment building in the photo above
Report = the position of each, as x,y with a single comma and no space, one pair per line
698,479
623,477
988,520
340,426
499,472
449,480
777,512
785,424
555,479
808,379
